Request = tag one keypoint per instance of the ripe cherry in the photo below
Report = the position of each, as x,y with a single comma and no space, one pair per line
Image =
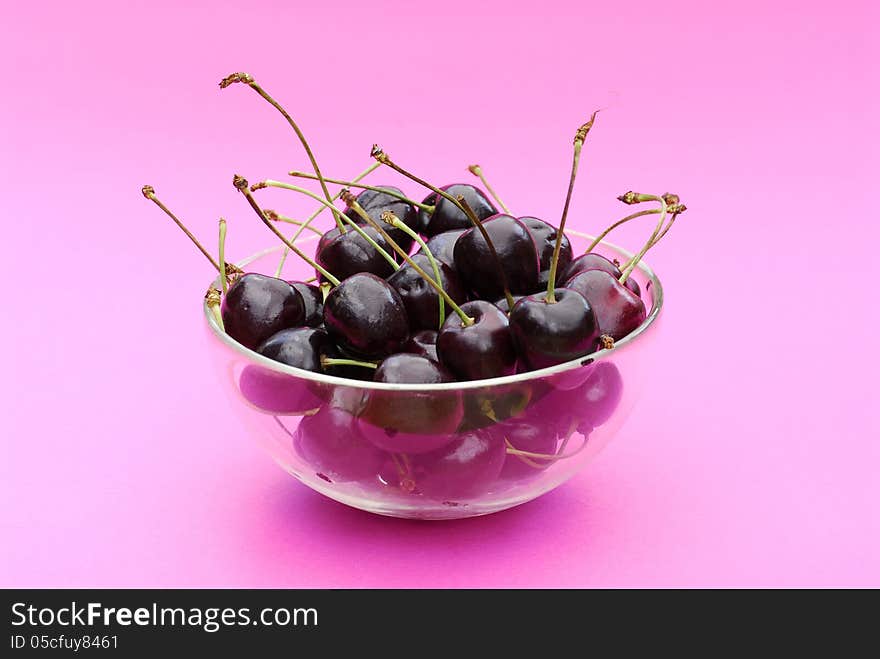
346,254
618,310
423,343
421,299
544,235
366,316
256,306
313,301
375,203
443,244
593,261
446,216
480,350
517,256
330,442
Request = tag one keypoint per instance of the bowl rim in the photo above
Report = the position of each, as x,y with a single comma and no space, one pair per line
517,378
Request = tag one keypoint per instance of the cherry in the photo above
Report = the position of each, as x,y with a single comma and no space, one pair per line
525,436
442,246
420,298
277,393
411,421
301,347
423,343
465,467
313,300
593,261
331,443
480,350
375,203
366,316
501,302
599,396
446,216
549,333
485,407
517,256
618,310
256,306
346,254
544,235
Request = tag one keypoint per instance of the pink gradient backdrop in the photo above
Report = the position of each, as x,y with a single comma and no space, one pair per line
754,460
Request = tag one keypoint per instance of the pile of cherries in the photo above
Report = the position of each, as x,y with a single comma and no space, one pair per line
442,290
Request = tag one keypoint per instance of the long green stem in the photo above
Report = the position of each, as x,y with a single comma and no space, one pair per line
308,223
241,185
275,216
355,184
634,261
598,239
222,255
150,194
477,171
248,79
397,223
287,186
389,218
332,361
579,139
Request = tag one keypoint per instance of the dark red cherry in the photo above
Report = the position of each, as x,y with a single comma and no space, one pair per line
593,261
550,333
481,350
501,302
544,235
618,310
516,252
366,316
346,254
465,467
442,246
526,436
446,215
599,396
277,393
256,306
423,343
406,421
313,300
329,441
375,203
420,298
301,347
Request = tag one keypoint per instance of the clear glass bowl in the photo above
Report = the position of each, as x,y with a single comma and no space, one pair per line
439,451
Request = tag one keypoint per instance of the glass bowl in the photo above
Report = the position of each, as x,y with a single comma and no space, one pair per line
439,451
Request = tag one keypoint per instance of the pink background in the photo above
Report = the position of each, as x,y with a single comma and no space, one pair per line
752,461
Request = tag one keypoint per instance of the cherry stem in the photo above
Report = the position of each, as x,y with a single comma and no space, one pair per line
348,220
222,255
477,171
354,184
241,185
321,209
512,450
150,194
389,218
579,138
634,261
397,223
598,239
502,276
330,361
248,79
275,216
212,299
383,158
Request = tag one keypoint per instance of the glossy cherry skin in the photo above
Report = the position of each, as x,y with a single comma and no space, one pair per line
443,244
446,215
501,302
618,310
465,467
423,343
593,261
366,316
544,235
313,300
482,350
422,302
547,333
301,347
256,306
330,442
516,252
599,396
346,254
411,422
375,203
